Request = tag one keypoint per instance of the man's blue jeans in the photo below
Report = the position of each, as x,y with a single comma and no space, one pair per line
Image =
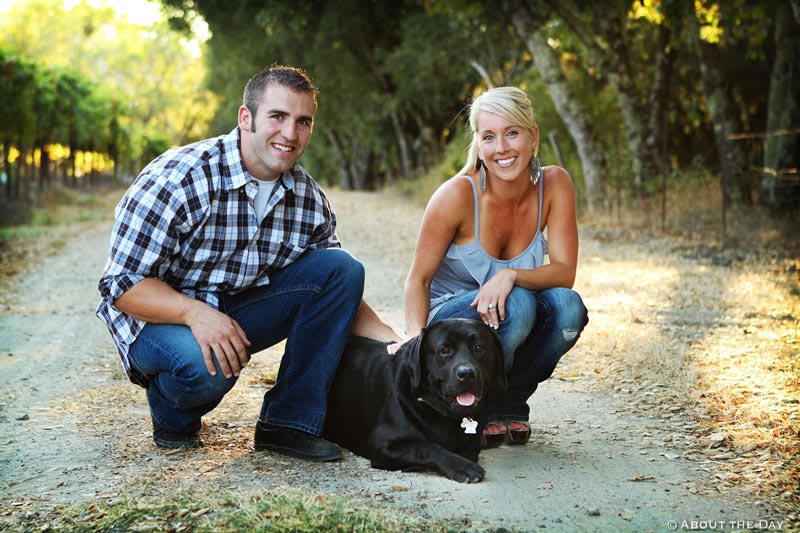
540,327
311,303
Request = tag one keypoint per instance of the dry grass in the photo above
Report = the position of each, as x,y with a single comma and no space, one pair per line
683,321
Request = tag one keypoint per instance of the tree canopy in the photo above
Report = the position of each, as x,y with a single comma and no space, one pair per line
86,80
639,88
629,93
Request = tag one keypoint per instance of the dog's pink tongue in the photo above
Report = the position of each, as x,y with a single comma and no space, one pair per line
465,398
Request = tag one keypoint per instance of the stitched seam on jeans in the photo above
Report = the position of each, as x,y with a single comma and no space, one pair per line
252,300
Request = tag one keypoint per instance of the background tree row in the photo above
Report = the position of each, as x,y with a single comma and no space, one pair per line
629,93
44,110
83,80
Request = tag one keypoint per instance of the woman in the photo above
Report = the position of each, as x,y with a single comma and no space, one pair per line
480,254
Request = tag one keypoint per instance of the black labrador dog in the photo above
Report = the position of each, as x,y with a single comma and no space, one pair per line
423,408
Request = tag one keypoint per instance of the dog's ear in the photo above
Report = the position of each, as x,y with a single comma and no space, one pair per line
410,353
500,378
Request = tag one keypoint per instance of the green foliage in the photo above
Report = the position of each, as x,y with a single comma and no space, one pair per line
18,94
101,83
392,76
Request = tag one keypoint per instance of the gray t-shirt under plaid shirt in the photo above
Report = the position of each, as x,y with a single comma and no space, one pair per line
189,220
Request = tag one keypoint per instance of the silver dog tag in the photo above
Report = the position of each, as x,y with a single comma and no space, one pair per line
470,426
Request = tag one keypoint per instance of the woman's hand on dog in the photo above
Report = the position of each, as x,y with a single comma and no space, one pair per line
394,347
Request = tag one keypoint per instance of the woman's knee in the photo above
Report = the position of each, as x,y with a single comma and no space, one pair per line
520,308
567,309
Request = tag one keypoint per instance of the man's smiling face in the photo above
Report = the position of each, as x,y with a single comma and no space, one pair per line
275,138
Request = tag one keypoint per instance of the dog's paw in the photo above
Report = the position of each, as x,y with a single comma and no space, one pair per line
468,473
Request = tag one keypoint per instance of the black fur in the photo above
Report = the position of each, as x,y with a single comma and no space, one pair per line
401,411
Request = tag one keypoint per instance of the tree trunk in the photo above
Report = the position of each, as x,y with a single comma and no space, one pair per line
483,73
606,45
360,168
341,160
402,146
7,169
659,97
44,168
590,151
635,116
722,117
781,183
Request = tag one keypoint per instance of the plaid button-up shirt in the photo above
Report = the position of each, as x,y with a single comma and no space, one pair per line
188,220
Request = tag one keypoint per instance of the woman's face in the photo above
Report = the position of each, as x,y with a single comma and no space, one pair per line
505,148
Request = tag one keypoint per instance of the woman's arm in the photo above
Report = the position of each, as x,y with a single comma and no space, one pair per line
562,244
441,222
562,237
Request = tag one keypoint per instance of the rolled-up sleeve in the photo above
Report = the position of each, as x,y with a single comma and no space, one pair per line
324,235
145,237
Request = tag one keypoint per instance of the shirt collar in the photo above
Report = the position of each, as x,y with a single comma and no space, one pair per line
238,174
234,173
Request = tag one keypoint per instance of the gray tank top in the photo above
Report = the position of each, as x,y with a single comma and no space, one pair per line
468,266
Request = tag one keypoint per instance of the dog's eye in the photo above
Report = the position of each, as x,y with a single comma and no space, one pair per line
479,347
445,350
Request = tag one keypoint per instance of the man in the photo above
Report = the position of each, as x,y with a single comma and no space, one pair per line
223,248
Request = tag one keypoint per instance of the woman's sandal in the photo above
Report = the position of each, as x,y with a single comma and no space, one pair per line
494,434
519,431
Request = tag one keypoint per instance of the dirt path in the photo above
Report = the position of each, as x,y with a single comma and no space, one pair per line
624,457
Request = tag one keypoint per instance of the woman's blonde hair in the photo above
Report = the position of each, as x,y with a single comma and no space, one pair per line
510,103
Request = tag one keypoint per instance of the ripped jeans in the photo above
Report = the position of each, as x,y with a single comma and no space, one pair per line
540,327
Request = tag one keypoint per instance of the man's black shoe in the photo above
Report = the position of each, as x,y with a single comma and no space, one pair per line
169,440
295,443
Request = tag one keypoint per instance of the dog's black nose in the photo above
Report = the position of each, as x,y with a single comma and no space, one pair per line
465,373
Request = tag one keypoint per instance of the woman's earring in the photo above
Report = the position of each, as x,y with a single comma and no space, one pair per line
482,176
535,169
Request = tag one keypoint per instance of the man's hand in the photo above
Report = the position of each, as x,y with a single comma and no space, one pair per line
220,335
152,300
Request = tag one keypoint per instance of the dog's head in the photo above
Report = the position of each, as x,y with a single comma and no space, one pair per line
454,364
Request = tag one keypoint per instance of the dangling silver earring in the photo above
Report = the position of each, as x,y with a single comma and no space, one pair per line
482,176
535,168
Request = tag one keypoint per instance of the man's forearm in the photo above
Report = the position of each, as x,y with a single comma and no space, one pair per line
156,302
369,324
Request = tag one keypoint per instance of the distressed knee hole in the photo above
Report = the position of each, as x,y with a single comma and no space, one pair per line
570,334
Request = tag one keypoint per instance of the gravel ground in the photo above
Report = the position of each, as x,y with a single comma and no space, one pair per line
72,429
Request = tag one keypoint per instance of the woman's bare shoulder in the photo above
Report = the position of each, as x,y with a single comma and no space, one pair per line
454,193
556,174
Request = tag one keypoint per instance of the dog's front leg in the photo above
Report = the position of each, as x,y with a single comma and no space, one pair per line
406,455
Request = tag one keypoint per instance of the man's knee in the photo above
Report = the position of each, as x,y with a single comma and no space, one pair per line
199,386
341,266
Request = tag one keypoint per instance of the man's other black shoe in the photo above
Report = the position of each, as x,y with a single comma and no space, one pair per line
295,443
